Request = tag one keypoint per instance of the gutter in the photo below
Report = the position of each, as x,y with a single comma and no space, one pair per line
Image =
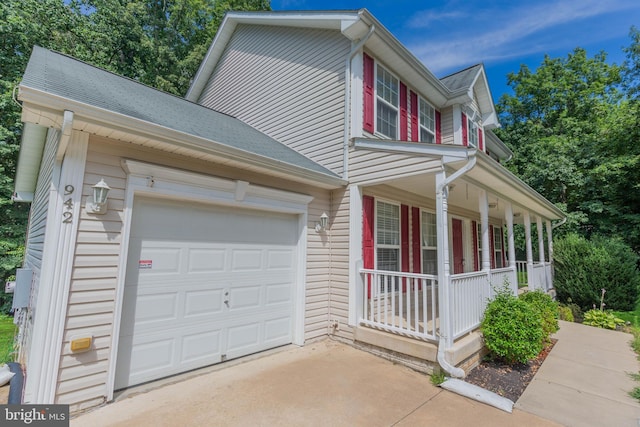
554,226
443,274
347,104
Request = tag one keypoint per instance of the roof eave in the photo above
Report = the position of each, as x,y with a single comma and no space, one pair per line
130,125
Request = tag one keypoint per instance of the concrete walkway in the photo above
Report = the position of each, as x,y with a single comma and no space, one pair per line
584,381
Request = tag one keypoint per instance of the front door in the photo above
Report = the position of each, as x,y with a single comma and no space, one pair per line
458,252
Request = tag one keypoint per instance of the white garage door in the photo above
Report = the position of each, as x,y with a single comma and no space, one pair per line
203,284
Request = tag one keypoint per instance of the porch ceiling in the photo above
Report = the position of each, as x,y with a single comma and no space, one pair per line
501,185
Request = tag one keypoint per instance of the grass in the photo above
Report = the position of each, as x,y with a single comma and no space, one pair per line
632,317
522,279
7,334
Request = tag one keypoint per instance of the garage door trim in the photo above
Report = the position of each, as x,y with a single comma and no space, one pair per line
144,179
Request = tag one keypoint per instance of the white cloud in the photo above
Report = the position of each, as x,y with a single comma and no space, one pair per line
503,33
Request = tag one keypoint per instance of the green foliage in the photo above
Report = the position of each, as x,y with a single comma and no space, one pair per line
512,328
565,313
437,377
573,125
7,335
584,267
546,308
601,319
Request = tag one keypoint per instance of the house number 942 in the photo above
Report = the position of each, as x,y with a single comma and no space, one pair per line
67,215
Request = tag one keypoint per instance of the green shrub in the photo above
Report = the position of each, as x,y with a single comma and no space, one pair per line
546,308
601,319
565,313
584,267
512,329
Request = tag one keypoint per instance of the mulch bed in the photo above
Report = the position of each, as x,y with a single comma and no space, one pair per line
508,381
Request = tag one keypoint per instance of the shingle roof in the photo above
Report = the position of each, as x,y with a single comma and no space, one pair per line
461,79
67,77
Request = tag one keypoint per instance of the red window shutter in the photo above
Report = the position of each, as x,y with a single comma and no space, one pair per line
465,138
480,141
403,113
367,236
369,95
438,128
367,232
474,227
504,247
414,117
415,239
404,237
492,247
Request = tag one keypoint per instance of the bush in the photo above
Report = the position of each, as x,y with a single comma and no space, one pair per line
583,267
565,313
547,309
512,329
602,319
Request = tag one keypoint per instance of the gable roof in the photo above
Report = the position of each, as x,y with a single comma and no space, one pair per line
63,78
462,79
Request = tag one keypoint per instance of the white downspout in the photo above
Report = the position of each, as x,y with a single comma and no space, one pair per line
347,103
446,330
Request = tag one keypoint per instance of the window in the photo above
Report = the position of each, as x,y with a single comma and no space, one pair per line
387,236
387,103
473,134
429,244
427,122
497,246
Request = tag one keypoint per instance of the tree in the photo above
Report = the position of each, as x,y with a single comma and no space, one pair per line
573,127
157,42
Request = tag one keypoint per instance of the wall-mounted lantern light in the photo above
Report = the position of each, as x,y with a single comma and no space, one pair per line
322,225
99,203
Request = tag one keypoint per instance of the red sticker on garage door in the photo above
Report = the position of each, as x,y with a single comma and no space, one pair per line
145,264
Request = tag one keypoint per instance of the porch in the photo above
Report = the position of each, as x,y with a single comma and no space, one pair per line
407,304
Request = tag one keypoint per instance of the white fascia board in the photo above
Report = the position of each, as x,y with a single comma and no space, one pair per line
448,153
324,20
129,125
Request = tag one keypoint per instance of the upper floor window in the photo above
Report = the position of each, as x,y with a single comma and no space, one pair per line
473,134
387,236
387,104
427,122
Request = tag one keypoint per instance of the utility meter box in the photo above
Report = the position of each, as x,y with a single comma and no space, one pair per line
22,291
9,287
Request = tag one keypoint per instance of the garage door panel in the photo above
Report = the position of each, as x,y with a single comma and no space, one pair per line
203,303
206,260
179,275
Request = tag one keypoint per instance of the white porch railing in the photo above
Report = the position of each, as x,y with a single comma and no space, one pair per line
404,303
539,277
470,293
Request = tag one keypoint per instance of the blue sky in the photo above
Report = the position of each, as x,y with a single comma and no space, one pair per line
451,35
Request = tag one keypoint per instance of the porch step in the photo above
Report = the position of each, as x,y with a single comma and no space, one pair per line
465,353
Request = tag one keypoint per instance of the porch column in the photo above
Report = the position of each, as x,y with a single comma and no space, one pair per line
550,241
540,239
508,215
527,236
442,234
484,230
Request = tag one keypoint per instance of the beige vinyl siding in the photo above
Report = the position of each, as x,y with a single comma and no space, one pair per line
368,165
287,83
447,125
82,377
35,240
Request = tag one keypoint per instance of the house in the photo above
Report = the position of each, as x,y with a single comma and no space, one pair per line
317,180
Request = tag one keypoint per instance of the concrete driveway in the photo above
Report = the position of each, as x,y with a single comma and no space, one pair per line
324,384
